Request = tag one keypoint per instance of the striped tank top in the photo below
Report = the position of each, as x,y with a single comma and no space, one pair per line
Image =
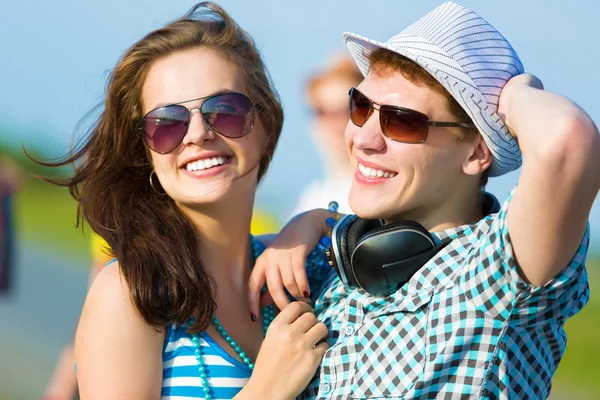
181,379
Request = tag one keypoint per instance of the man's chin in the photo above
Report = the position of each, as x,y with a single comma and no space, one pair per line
365,210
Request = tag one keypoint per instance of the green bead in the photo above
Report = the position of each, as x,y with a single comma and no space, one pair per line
268,314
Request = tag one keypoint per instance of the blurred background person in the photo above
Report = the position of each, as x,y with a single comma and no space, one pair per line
327,97
10,179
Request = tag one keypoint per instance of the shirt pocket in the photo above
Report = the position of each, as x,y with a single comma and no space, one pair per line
392,350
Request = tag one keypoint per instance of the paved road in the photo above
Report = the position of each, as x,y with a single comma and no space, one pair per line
36,320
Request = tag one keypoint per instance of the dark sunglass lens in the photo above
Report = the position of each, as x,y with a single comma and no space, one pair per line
360,107
165,127
404,125
229,114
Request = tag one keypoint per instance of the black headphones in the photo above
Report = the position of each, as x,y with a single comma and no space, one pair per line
379,258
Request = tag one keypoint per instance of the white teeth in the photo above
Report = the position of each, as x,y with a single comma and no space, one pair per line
374,173
205,164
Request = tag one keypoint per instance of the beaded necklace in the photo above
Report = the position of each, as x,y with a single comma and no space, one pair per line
268,314
316,266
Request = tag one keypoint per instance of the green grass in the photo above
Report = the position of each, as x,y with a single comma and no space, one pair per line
45,217
579,370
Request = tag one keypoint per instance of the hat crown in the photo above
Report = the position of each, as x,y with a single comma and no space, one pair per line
473,49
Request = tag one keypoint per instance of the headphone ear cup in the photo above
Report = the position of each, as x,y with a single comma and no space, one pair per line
349,239
386,257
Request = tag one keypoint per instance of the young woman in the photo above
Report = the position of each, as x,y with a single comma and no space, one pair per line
168,177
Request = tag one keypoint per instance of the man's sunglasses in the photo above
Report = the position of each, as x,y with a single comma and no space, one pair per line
228,114
397,123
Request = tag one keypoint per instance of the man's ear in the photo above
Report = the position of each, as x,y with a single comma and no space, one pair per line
478,158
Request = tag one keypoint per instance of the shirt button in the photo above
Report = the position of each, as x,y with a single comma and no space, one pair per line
326,388
349,330
485,393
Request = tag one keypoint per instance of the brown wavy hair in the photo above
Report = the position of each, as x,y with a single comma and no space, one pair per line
153,241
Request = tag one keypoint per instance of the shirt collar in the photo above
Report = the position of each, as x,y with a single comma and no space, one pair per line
491,205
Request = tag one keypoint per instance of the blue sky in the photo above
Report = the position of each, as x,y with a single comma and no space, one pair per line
56,56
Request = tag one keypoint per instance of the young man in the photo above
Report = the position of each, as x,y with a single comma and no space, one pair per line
484,317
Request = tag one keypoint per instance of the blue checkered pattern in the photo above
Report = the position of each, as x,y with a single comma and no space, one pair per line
465,326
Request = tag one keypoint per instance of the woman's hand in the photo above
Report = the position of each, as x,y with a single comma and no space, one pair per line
289,355
283,263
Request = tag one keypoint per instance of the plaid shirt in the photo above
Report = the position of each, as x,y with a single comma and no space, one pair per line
465,326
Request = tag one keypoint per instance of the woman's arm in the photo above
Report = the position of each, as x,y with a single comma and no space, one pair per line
118,355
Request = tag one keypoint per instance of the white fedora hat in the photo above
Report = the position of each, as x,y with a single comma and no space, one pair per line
470,58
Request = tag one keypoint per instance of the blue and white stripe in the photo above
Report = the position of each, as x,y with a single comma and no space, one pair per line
181,379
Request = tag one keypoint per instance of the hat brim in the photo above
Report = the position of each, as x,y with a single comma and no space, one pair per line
506,155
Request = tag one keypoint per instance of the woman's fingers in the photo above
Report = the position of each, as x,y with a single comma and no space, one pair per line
288,277
298,266
305,322
317,334
292,312
275,285
255,285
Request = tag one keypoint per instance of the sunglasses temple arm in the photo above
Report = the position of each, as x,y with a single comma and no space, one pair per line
451,124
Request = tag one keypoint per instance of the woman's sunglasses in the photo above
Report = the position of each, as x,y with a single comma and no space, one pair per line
228,114
397,123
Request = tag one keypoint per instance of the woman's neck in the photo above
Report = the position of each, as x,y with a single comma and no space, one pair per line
222,234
